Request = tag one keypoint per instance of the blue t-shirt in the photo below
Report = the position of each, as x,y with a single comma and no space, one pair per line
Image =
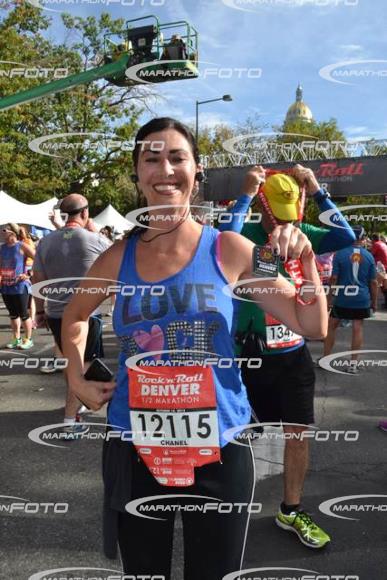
354,268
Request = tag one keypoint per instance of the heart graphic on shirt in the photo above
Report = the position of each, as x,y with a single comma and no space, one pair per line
148,341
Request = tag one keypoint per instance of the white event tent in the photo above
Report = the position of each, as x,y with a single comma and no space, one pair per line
111,217
15,211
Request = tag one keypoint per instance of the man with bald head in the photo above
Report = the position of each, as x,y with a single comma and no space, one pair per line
68,253
74,203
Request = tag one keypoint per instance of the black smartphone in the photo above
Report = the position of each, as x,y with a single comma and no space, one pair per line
98,371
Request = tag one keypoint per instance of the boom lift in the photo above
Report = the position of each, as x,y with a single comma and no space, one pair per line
137,46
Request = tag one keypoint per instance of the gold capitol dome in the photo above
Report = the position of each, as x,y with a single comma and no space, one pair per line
299,111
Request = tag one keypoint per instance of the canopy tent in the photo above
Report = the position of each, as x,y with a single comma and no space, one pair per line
111,217
17,212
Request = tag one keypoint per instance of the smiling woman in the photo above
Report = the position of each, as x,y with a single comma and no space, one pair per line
178,442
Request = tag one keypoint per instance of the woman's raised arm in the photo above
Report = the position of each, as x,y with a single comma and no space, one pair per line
278,297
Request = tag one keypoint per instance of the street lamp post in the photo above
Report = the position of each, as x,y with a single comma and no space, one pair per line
224,98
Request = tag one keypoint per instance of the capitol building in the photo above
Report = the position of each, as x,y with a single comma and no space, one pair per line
299,111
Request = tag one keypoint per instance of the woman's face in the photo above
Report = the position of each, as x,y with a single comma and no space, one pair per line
166,176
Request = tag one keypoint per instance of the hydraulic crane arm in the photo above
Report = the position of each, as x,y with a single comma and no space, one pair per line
108,70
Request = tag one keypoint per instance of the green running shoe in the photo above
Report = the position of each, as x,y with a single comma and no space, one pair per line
15,343
302,524
26,344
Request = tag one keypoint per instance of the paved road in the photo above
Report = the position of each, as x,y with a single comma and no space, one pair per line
30,543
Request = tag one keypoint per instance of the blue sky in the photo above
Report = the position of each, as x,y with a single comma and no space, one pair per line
290,40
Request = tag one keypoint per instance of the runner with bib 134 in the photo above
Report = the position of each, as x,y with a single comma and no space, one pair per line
282,390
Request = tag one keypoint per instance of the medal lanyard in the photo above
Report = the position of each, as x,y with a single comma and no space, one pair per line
72,224
292,267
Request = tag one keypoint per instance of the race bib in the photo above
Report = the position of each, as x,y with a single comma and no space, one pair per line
174,421
278,335
8,276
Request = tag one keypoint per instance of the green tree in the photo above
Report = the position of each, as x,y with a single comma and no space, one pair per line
368,217
319,133
97,107
212,142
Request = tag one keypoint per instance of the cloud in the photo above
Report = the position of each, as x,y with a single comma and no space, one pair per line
355,130
209,120
361,133
351,47
212,42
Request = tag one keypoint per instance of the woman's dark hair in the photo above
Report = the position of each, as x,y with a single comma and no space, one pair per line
161,124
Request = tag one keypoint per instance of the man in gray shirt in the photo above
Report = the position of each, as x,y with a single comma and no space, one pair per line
67,254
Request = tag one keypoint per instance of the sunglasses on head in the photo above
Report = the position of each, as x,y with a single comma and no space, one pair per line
71,212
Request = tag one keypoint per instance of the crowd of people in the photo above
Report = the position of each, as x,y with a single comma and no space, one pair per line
191,318
18,252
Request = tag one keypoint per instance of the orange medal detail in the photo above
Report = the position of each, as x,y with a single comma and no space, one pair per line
174,421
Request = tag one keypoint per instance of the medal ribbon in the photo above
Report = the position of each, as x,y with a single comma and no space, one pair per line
72,224
292,267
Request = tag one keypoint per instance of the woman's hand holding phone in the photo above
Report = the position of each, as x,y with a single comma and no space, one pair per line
93,394
96,387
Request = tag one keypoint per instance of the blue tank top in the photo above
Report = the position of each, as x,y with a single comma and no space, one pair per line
192,314
12,266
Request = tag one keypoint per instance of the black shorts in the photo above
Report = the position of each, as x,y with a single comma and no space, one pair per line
94,347
350,313
283,388
17,305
